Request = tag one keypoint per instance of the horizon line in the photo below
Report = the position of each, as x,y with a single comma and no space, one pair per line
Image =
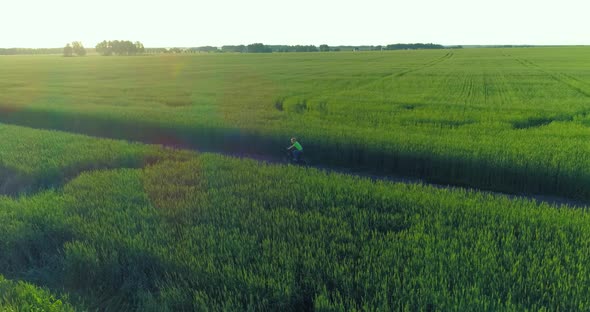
339,45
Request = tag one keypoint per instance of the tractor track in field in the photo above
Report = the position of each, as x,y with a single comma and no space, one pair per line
566,80
274,160
431,63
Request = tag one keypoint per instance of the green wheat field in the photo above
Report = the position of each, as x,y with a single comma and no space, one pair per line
120,192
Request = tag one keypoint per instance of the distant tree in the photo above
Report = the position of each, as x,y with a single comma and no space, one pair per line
130,47
120,47
234,48
206,49
155,50
413,46
139,47
104,48
78,48
258,48
68,50
281,48
324,48
306,48
117,47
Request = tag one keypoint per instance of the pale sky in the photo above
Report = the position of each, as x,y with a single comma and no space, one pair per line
185,23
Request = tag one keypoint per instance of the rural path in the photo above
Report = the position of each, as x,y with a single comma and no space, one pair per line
266,158
539,198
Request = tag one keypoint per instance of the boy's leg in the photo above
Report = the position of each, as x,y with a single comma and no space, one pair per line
296,155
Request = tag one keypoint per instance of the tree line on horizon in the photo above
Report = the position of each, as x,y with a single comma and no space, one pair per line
120,47
125,47
106,48
129,48
29,51
262,48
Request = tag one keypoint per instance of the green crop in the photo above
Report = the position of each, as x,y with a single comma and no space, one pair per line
504,119
33,159
209,232
26,297
111,225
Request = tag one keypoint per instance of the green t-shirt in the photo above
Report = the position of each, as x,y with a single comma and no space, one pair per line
298,146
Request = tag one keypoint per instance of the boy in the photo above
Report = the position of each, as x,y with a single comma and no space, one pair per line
297,149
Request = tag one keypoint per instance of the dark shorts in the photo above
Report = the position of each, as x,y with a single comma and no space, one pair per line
297,154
